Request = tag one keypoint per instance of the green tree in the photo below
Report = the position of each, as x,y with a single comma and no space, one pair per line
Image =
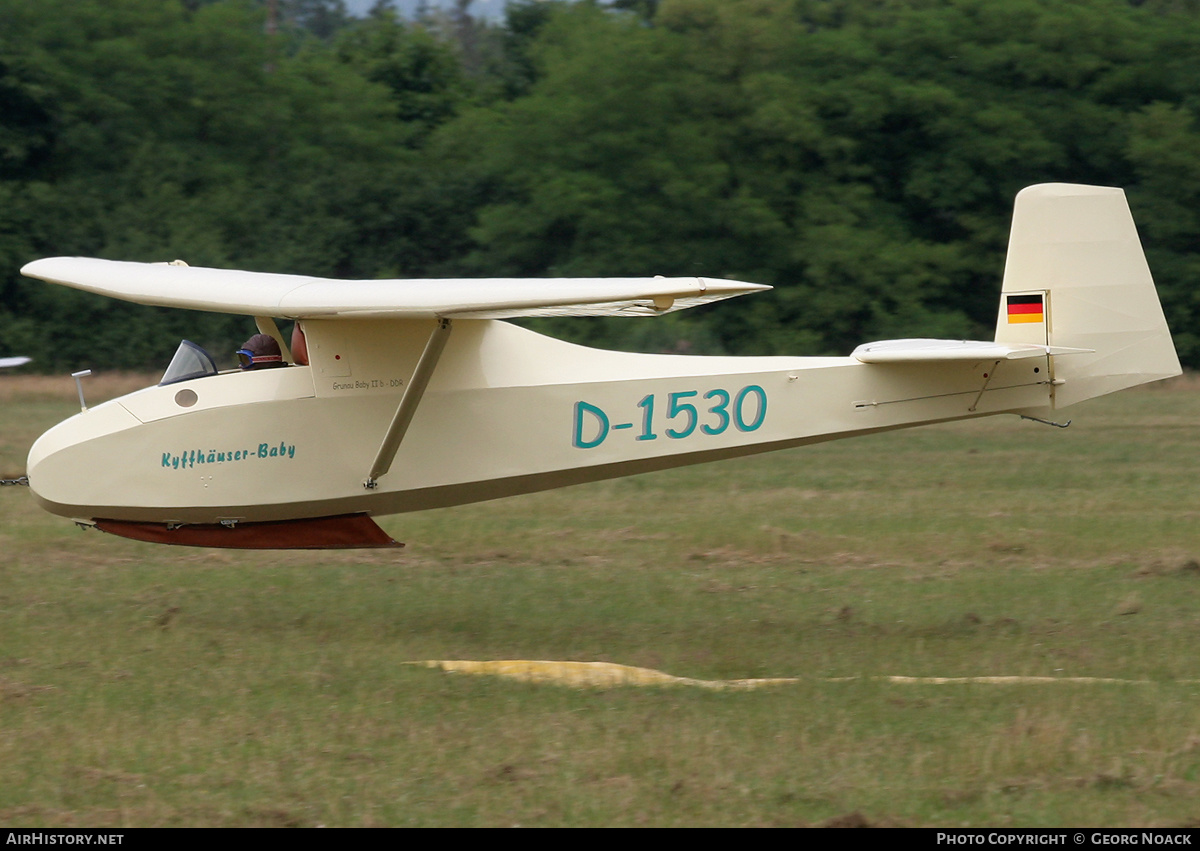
178,133
861,157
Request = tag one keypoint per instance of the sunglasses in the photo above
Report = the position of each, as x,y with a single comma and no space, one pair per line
247,358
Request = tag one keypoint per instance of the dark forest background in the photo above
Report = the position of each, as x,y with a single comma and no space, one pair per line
860,155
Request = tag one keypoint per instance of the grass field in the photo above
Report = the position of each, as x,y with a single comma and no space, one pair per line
144,685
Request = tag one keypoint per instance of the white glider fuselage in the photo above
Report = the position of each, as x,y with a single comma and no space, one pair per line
507,411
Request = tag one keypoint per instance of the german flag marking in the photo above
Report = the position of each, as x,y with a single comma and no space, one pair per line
1025,308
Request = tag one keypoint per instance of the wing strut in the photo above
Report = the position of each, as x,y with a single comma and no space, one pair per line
408,402
266,325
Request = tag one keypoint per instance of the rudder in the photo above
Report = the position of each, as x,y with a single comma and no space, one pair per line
1076,277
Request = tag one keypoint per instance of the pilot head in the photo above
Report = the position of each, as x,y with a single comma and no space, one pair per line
260,352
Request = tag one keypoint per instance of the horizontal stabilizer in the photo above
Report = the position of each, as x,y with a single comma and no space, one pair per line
302,297
925,351
20,360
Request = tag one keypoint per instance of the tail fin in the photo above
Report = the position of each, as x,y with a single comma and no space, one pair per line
1076,277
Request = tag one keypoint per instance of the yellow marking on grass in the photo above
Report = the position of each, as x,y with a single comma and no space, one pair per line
610,674
589,674
1005,681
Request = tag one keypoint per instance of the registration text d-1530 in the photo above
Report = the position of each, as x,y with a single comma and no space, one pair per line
684,413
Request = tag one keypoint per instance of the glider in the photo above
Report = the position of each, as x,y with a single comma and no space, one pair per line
401,395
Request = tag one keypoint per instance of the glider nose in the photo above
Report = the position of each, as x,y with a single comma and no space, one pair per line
73,468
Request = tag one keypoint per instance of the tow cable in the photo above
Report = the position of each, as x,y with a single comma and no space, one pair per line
23,481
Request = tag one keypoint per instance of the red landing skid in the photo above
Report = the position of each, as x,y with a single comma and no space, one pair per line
345,531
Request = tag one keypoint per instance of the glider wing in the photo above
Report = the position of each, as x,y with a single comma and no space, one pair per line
301,297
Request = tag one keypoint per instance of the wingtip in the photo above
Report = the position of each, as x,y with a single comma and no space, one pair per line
30,269
720,284
49,268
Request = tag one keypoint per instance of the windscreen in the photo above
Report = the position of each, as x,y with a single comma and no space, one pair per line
190,362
